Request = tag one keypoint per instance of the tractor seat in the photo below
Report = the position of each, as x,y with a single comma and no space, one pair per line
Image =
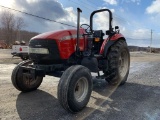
98,34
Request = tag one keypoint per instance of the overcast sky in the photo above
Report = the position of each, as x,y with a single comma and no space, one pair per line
135,18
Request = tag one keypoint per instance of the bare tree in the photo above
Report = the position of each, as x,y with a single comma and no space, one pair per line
12,26
8,24
19,25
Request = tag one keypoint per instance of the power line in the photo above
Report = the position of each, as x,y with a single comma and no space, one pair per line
54,20
89,4
79,4
95,8
37,16
114,14
93,3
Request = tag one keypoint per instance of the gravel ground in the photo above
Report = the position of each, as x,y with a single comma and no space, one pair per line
138,99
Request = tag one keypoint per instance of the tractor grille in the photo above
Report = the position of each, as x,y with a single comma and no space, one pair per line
52,58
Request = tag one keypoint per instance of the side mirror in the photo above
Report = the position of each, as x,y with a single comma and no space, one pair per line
116,27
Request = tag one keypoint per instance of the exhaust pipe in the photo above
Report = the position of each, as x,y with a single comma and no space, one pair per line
78,25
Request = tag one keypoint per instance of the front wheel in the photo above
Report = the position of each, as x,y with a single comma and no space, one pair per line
74,88
23,57
118,63
23,83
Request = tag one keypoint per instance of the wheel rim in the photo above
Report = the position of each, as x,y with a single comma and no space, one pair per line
29,81
81,89
24,58
123,63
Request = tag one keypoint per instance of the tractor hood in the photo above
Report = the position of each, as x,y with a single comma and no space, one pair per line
54,47
59,35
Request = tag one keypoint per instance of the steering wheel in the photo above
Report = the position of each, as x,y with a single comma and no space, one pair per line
88,29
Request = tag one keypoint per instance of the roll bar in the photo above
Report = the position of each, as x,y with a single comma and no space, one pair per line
102,10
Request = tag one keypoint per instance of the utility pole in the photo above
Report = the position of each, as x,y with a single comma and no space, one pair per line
151,41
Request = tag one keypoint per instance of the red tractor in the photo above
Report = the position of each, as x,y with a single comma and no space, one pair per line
73,55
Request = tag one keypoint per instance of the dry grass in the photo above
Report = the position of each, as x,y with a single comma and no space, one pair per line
144,57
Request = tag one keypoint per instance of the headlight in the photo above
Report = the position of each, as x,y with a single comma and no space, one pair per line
39,50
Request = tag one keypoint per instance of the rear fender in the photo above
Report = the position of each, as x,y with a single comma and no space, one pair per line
109,42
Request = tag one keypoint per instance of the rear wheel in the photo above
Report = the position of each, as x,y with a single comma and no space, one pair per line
24,57
74,88
23,83
118,63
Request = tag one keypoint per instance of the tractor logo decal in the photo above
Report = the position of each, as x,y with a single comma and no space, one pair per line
38,45
69,37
